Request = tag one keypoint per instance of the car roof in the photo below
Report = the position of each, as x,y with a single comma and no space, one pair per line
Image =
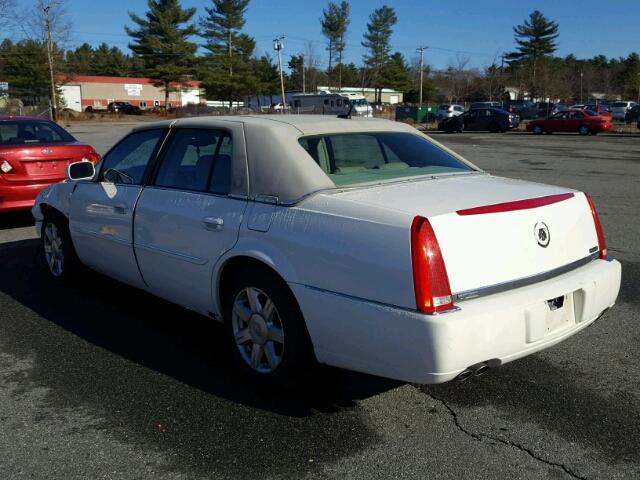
296,124
278,165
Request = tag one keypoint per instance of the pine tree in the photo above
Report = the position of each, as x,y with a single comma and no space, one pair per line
161,40
395,73
334,23
536,39
228,72
377,40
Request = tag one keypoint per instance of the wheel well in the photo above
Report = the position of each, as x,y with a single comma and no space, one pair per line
237,264
47,209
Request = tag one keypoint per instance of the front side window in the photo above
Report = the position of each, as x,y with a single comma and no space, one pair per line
197,160
128,160
355,158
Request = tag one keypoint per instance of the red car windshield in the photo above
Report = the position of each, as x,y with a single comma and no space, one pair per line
32,132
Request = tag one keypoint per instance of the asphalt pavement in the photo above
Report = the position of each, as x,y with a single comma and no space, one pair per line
102,381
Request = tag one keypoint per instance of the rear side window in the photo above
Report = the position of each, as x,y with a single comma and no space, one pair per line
197,160
128,160
356,158
32,132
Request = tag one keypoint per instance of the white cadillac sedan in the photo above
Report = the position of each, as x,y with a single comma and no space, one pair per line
358,243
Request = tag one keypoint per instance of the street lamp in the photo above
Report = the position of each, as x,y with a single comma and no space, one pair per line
278,45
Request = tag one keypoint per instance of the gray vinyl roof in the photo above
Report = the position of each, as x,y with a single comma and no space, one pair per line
276,163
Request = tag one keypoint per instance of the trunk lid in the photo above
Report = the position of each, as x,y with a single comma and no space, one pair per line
511,240
42,161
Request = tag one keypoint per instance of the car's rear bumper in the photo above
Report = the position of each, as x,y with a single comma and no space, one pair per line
406,345
21,197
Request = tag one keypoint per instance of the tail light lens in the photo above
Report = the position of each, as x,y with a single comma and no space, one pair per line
92,157
602,245
430,279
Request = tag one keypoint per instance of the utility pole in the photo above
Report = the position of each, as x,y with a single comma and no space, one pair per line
421,50
304,83
502,86
54,106
581,75
278,45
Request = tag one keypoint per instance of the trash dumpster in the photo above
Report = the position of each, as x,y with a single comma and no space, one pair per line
417,114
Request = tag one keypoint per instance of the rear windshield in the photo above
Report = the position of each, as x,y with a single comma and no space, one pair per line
354,158
21,132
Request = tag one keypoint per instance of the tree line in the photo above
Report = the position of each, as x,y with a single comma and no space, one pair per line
171,44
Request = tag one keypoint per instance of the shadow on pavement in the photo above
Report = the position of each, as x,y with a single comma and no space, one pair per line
159,373
16,220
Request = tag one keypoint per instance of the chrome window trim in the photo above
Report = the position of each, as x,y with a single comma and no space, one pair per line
523,282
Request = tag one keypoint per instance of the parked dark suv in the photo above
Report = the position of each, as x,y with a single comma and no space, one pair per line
481,119
525,109
124,107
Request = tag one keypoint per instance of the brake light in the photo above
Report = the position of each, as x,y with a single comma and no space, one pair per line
92,157
602,245
430,279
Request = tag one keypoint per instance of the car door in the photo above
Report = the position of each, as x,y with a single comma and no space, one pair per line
101,212
471,120
573,121
189,214
556,122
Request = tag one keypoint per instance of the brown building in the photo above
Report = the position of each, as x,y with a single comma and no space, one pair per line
84,92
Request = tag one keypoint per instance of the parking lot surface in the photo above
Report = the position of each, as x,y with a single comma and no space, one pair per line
103,381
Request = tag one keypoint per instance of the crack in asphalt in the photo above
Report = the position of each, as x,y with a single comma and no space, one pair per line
482,436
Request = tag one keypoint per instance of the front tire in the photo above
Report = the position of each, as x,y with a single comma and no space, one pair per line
266,333
57,251
538,130
584,130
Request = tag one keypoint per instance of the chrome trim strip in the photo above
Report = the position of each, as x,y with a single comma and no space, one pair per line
523,282
171,253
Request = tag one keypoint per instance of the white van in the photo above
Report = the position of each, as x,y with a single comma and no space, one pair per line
331,104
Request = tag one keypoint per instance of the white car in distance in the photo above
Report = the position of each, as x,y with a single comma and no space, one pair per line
448,111
358,243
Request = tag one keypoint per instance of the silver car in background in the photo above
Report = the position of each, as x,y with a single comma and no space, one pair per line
448,111
619,109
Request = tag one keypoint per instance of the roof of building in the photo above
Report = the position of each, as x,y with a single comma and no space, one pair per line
71,79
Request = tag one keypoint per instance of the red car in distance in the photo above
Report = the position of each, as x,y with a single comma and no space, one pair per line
33,154
584,122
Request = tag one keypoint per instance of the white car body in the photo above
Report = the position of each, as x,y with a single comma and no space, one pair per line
345,253
448,111
619,109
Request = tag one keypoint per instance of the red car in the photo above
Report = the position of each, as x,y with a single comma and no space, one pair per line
33,154
584,122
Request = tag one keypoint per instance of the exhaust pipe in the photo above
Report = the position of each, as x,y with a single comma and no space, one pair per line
475,370
463,375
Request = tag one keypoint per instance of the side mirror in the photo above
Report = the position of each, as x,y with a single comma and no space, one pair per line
81,171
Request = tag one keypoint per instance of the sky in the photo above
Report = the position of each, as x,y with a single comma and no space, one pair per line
475,29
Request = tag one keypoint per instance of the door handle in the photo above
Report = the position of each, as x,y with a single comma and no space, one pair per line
121,209
214,224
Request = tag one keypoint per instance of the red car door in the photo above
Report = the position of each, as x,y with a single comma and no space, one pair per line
554,123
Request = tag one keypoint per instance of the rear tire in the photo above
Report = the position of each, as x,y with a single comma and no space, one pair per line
266,333
584,130
57,250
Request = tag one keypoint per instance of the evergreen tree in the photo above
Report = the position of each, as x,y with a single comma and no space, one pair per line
267,76
535,39
395,73
161,40
228,72
80,60
377,40
334,23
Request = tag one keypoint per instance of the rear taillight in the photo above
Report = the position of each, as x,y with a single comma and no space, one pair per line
602,245
5,167
430,279
92,157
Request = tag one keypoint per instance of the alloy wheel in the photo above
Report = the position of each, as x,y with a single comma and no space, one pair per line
53,251
257,329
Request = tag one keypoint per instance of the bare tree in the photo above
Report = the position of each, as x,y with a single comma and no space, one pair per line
7,13
34,21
